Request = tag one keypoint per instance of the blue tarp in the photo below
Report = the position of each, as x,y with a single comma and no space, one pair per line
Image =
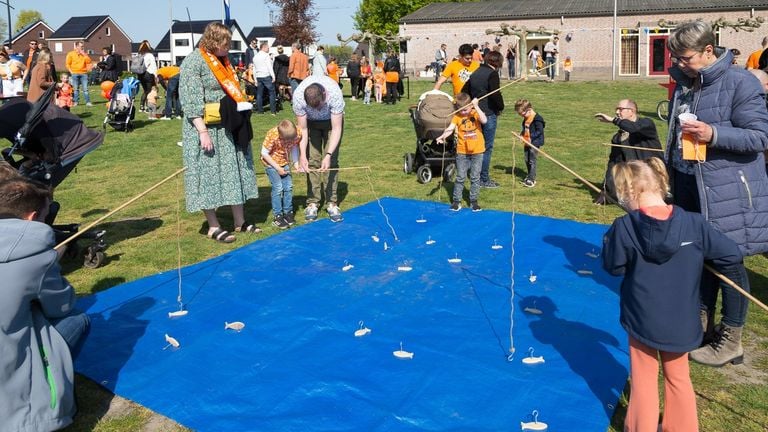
298,366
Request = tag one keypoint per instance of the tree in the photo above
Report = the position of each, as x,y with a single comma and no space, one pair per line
296,23
381,16
342,53
25,18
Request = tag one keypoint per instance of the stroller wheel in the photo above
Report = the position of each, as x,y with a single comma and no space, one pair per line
408,163
94,259
449,172
424,174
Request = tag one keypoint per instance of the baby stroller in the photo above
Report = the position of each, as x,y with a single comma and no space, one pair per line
47,144
121,111
430,118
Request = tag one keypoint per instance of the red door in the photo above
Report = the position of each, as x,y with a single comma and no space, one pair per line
658,55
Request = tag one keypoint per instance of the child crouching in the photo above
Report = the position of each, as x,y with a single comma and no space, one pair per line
470,148
281,145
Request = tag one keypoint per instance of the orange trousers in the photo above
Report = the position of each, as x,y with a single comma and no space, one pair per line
679,399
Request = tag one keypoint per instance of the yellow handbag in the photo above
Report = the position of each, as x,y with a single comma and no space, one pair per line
211,113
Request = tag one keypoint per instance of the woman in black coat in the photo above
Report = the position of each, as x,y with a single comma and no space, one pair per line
108,66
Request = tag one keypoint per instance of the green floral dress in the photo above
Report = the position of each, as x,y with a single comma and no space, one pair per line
224,176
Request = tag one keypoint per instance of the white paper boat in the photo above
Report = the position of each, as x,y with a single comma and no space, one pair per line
401,354
236,326
421,220
178,313
532,277
584,272
592,255
533,310
171,341
430,242
533,426
347,267
404,268
533,360
497,247
454,260
362,332
375,238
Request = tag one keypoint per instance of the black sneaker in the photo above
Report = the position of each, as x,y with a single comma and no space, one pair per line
280,222
475,206
490,184
455,206
289,218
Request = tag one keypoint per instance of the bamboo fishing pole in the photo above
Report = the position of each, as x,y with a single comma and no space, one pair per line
124,205
719,275
634,147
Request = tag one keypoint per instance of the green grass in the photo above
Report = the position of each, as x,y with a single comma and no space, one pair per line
143,237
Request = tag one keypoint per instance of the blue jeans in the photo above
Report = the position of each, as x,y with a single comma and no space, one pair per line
172,106
79,80
472,163
511,68
270,86
489,134
72,327
294,83
282,190
550,62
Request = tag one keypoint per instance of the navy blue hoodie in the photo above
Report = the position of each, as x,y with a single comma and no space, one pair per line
662,263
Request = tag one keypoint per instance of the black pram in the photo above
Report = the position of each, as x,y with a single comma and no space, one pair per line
430,118
48,142
121,110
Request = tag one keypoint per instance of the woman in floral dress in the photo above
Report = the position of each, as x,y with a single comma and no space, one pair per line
219,172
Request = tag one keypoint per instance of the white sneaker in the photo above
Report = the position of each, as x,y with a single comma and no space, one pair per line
334,213
310,213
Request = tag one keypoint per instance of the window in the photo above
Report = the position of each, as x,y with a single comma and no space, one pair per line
90,52
58,47
630,42
181,42
41,34
235,45
109,31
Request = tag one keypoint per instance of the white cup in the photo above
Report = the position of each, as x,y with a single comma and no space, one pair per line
686,117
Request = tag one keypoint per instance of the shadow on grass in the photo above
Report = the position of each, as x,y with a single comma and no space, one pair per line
518,171
758,284
94,212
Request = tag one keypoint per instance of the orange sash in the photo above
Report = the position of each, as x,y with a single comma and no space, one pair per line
225,75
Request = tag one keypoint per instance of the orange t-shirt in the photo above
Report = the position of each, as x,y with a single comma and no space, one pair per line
469,133
278,148
333,71
754,59
392,77
528,121
459,74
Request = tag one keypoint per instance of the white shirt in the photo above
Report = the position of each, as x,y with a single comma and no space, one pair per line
319,65
150,64
262,65
550,49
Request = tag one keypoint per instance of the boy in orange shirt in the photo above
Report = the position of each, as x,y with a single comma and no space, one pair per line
379,84
281,145
333,69
470,148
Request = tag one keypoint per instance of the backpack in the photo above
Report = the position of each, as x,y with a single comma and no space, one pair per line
137,64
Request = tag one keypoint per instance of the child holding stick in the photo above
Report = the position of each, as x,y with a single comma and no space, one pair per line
660,250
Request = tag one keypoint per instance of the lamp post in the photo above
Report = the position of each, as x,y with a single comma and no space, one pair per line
8,7
170,32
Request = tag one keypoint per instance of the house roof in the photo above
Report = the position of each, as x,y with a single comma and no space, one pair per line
261,32
195,27
27,28
79,27
494,10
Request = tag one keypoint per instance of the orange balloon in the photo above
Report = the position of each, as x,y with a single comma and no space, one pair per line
107,86
105,94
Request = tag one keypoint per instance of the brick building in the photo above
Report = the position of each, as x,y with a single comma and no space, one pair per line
96,31
37,31
585,29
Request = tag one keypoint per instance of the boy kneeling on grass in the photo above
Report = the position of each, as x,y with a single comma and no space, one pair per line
470,147
281,145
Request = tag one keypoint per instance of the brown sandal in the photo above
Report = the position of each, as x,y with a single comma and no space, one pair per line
222,236
248,228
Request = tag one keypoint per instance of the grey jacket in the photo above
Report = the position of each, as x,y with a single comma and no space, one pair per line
36,374
732,183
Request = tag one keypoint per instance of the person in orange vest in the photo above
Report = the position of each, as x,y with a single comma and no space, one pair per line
392,76
168,76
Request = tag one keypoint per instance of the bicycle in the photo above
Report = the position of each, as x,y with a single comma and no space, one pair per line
662,110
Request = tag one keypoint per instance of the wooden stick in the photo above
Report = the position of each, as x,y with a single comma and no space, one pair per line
498,90
634,147
129,202
340,169
719,275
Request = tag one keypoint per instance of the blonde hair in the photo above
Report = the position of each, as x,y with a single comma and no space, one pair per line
44,57
522,105
215,36
462,99
286,129
632,178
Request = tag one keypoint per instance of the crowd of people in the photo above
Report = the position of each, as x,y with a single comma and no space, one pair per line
686,208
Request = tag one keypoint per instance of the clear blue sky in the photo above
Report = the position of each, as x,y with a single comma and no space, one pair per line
149,19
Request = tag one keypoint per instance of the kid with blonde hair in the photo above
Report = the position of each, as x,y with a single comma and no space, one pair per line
660,250
64,91
280,148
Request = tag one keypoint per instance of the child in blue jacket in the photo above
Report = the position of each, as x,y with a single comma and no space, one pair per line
660,250
533,132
